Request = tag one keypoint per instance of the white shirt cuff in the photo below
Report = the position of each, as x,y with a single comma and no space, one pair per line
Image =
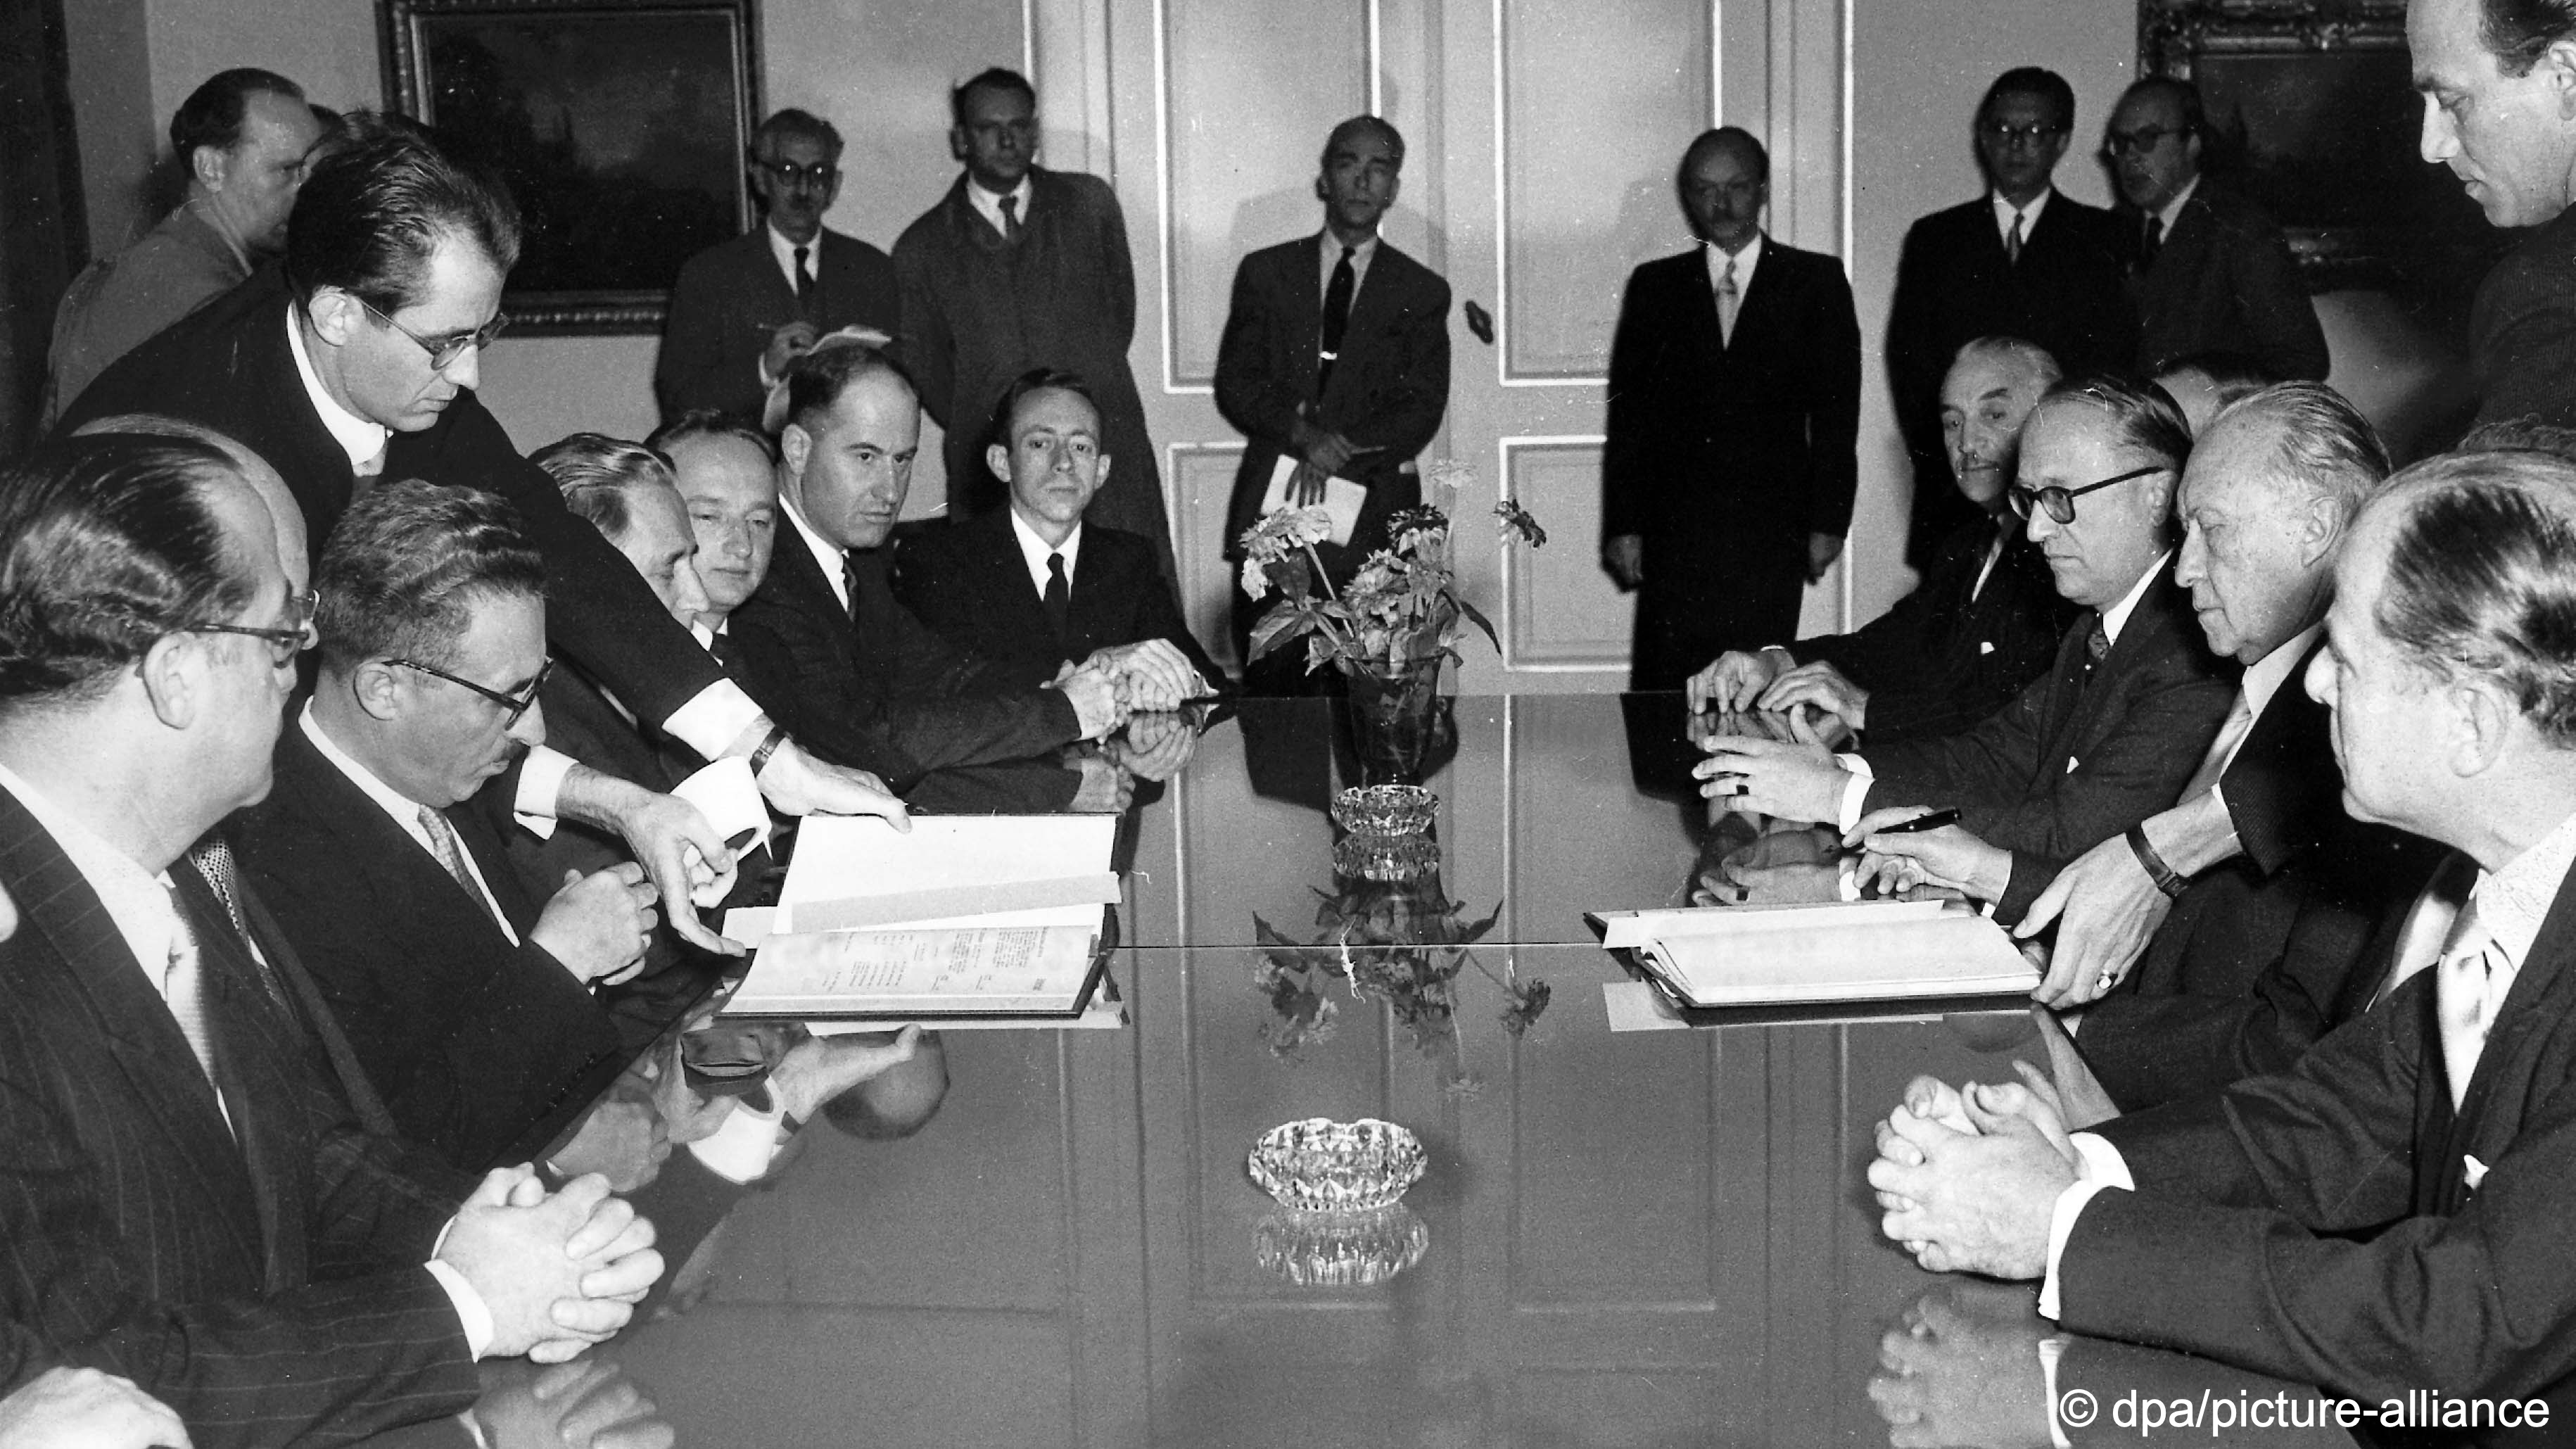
714,719
470,1308
744,1148
2101,1168
1847,878
2050,1351
1855,790
541,777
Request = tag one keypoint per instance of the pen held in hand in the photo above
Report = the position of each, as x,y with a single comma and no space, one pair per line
1920,823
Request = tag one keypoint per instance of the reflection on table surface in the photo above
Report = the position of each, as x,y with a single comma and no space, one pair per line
1645,1238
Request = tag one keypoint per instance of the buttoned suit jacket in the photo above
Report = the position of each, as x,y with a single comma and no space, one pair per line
2223,280
2073,761
2522,330
227,366
971,586
2266,952
1388,391
1725,453
2318,1223
267,1288
1949,654
881,692
482,1050
732,297
1955,284
979,311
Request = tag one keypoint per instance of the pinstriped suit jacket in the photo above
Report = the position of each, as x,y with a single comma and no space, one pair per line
267,1288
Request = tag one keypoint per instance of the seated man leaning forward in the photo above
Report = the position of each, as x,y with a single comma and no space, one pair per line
1986,618
2391,1213
250,1256
825,642
2111,732
1032,588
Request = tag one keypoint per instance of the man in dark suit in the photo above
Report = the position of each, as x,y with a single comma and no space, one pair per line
1985,620
1020,267
2390,1213
1335,355
187,1200
2107,736
741,310
2021,261
359,361
2490,73
825,639
2213,271
1734,418
1034,589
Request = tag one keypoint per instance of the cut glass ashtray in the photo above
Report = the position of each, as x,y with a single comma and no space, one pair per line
1370,856
1384,809
1320,1165
1341,1250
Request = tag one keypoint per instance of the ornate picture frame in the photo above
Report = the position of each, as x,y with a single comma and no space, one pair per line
2313,115
619,124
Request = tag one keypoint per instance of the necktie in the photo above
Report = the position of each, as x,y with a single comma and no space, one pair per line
213,861
1010,218
2155,241
2240,720
804,282
850,581
2012,241
1337,319
1059,598
450,853
723,648
2475,976
1727,296
183,986
2097,643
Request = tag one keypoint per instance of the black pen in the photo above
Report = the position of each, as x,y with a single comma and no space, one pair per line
1920,823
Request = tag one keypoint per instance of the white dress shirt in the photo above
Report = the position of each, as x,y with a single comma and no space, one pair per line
1330,256
2171,211
403,810
784,252
826,557
988,204
1034,552
1745,262
2029,212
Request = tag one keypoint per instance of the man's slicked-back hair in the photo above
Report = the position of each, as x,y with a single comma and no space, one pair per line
2520,31
1737,137
817,379
405,566
1038,380
212,114
378,204
709,423
2482,577
792,123
2032,80
996,78
598,474
1364,125
2184,95
2020,352
2318,440
2142,418
107,545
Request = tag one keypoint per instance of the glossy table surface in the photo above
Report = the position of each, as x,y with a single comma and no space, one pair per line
1648,1238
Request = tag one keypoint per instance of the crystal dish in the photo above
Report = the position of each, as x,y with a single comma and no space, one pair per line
1341,1250
1384,809
1320,1165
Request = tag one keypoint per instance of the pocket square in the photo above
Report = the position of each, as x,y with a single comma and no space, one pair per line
2472,1171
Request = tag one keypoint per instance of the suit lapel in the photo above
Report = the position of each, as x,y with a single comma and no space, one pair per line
1013,591
1306,300
1372,307
2542,995
250,1057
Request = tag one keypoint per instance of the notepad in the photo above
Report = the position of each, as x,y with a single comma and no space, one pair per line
1864,951
1342,498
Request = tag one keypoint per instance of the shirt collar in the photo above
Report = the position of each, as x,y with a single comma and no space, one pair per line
989,203
2029,211
404,809
826,557
135,900
1034,550
362,440
2265,676
2171,211
1745,261
2512,902
784,252
2116,617
1360,254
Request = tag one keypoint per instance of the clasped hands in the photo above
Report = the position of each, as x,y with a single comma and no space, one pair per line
1150,675
1795,779
1969,1179
560,1270
1769,680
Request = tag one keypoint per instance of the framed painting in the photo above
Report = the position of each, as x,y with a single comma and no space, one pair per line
2313,115
620,126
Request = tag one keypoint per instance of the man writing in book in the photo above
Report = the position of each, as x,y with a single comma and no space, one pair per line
2390,1213
1335,357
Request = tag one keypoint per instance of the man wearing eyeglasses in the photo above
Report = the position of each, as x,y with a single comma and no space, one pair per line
2024,260
359,361
2213,272
742,310
2111,733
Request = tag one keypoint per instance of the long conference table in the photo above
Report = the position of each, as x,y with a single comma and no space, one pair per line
1647,1238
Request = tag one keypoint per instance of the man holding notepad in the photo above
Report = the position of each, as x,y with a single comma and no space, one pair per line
1335,365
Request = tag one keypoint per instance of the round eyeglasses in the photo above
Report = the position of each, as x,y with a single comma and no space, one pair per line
444,351
2060,502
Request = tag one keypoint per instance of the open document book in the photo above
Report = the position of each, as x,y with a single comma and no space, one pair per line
962,917
1863,951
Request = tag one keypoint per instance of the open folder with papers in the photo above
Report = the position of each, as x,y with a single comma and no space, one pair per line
966,916
1864,951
